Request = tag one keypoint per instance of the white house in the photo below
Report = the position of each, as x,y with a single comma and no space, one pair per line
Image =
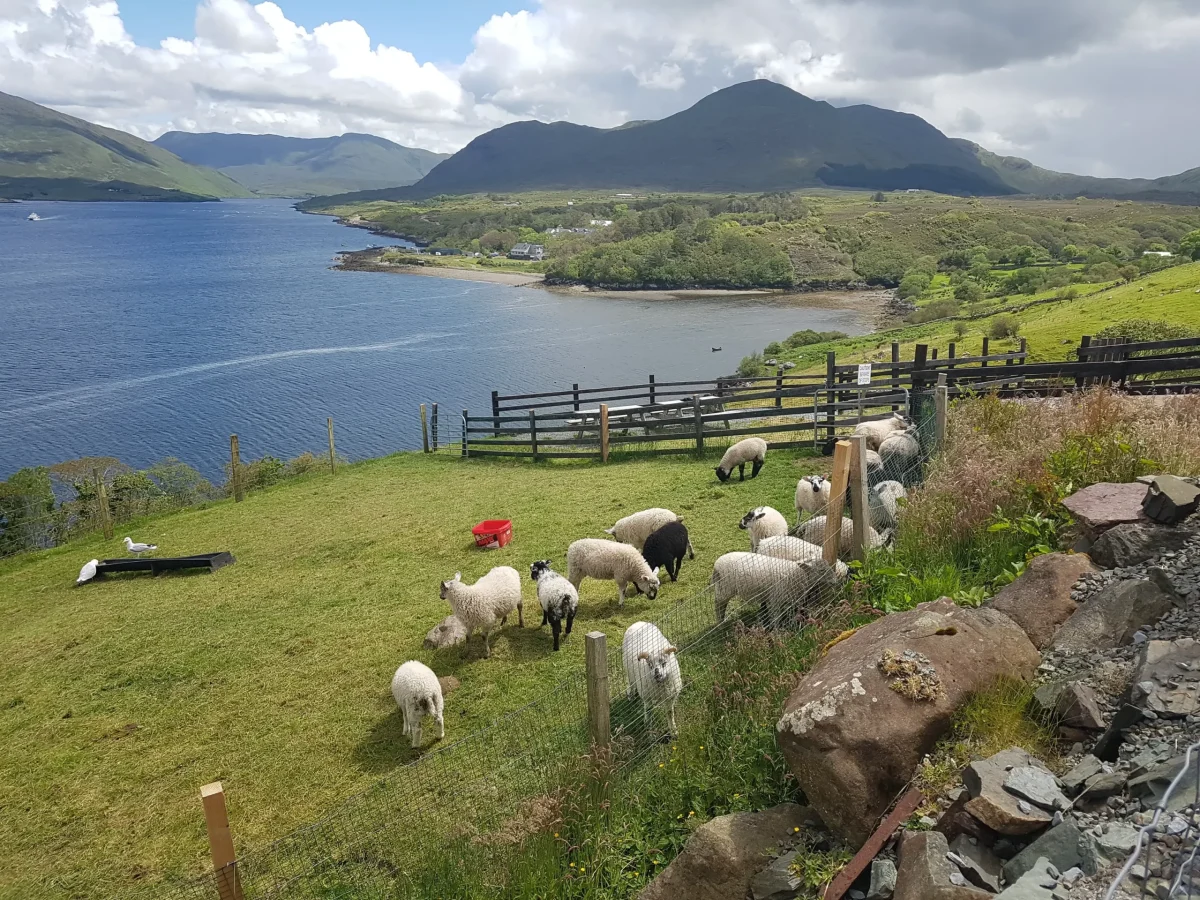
1164,253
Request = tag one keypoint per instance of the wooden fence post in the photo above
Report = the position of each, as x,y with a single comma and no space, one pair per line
332,451
651,390
951,354
984,352
465,436
433,423
941,405
920,356
895,372
779,388
698,420
596,657
604,432
235,468
102,505
424,430
220,842
830,372
860,508
533,433
1084,343
495,414
837,501
575,391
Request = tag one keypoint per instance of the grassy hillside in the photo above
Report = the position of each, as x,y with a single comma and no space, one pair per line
275,166
46,154
120,698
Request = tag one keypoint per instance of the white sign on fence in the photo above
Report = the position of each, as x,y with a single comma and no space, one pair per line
864,373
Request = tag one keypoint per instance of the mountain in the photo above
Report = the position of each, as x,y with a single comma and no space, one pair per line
47,155
755,136
276,166
1027,178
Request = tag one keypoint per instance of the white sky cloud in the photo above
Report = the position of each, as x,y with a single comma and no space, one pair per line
1092,86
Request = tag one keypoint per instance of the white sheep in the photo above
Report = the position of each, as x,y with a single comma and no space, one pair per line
558,597
874,462
763,522
610,561
900,452
750,576
652,670
813,531
877,431
634,529
750,450
418,694
793,549
486,604
812,496
883,501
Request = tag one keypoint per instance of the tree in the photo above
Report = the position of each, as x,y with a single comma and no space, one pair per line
1005,326
1128,273
955,259
1189,244
497,240
27,511
960,330
913,285
879,197
968,291
1021,255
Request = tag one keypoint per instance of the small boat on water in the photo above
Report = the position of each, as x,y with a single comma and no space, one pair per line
33,217
716,349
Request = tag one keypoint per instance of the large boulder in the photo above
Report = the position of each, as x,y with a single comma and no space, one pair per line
1040,599
1170,499
1101,506
924,872
1112,616
721,859
853,734
1136,542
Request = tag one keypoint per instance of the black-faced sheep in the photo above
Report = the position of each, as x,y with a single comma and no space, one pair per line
666,547
558,598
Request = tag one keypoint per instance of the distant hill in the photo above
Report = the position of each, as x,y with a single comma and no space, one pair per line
45,154
276,166
755,136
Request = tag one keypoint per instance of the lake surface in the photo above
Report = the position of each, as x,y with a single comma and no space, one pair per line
146,330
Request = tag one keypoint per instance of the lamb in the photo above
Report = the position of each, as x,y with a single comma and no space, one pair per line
666,547
652,670
634,529
763,522
486,604
877,431
558,598
418,694
883,500
750,450
900,452
605,560
813,531
812,496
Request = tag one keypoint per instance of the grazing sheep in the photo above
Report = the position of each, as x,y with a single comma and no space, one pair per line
486,604
606,560
812,496
779,586
901,453
877,431
634,529
750,450
652,670
418,694
763,522
667,547
883,500
813,531
796,550
558,597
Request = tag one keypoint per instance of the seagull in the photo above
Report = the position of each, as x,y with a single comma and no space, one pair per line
138,549
88,572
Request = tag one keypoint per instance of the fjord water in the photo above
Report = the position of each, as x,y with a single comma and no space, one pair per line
146,330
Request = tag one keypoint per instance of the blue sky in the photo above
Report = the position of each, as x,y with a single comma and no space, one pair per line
433,32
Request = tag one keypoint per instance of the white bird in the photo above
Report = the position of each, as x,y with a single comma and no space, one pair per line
138,549
88,572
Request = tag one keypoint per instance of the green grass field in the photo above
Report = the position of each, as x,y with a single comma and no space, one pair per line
121,698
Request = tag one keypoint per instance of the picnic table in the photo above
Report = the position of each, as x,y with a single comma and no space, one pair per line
635,413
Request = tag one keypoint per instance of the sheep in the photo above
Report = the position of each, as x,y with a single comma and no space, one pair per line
763,522
605,560
812,496
780,586
652,670
874,462
877,431
900,452
558,598
634,529
883,500
750,450
418,694
486,604
793,549
666,547
813,531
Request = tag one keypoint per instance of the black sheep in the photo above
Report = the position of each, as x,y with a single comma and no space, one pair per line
666,547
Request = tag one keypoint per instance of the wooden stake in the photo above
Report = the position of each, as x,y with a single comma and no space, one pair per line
332,452
495,414
779,388
102,504
941,406
424,430
860,507
837,500
220,842
596,657
533,433
235,468
603,432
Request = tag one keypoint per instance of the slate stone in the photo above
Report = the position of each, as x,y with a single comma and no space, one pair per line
1036,884
924,872
1151,787
1170,500
1099,507
1167,679
1108,848
995,807
776,882
979,865
956,821
1061,846
1037,786
1112,615
1074,780
883,880
1077,706
1103,785
1110,742
1135,542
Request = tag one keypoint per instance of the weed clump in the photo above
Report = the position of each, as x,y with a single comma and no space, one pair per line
910,674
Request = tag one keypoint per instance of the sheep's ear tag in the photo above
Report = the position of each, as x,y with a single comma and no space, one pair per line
670,650
643,655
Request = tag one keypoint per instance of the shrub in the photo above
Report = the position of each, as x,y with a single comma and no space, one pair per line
773,349
1146,330
1004,327
808,336
913,284
938,309
180,483
751,365
960,330
968,291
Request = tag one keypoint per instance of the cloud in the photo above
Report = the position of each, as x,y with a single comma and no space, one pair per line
1082,85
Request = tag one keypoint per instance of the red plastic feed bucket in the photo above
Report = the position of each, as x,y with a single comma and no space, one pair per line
493,534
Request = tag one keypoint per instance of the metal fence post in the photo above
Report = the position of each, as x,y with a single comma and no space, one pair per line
698,419
596,657
779,388
651,390
424,430
235,468
860,507
433,426
837,501
220,842
575,391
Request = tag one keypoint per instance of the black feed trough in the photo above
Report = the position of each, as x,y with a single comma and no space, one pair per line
158,564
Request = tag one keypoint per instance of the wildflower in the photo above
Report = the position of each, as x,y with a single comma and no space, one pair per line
660,765
582,870
572,865
556,834
693,812
701,746
735,797
795,829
